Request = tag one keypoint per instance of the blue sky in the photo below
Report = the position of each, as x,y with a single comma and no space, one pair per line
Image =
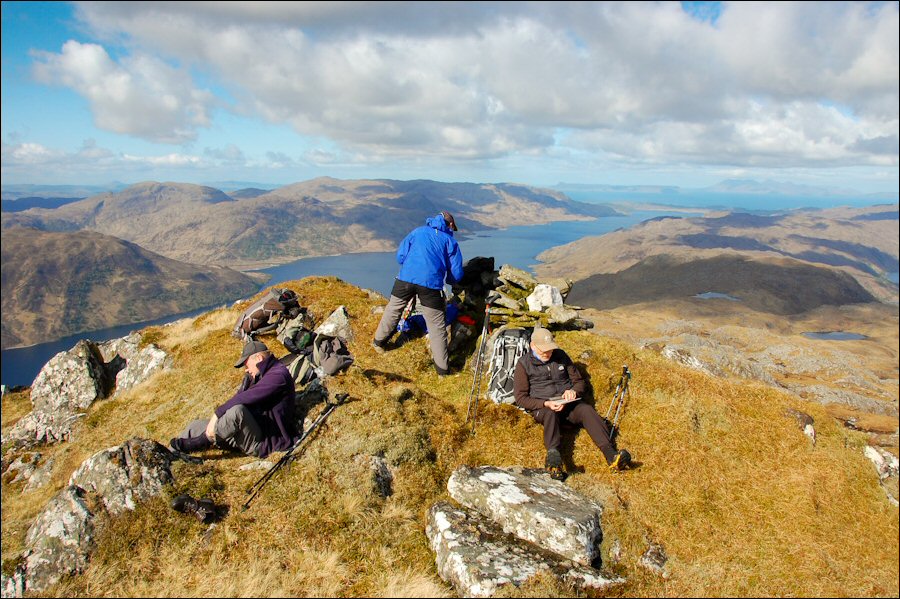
617,93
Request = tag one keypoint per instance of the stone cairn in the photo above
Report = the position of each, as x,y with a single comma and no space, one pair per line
515,523
525,301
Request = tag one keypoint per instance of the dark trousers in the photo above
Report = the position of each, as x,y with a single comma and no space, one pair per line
580,414
433,308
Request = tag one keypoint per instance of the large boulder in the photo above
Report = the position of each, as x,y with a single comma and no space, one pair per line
534,507
73,380
123,475
479,559
60,540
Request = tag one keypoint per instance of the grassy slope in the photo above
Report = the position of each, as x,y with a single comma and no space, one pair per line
742,502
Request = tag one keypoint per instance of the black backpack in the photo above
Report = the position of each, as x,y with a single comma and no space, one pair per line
509,344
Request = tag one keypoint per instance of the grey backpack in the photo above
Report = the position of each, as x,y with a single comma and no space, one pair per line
508,346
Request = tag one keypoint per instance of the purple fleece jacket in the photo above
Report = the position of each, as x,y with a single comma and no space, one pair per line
270,398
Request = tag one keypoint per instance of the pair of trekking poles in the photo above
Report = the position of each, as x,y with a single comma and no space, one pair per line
472,411
256,487
618,401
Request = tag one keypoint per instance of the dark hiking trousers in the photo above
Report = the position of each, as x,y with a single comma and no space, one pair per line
236,429
581,414
432,305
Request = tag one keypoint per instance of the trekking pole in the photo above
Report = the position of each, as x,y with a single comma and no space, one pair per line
618,399
256,487
479,363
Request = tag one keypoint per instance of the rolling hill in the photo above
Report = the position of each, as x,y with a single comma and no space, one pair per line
320,217
56,284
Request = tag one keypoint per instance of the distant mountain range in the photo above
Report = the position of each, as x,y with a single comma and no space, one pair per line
784,263
728,187
257,228
154,249
59,284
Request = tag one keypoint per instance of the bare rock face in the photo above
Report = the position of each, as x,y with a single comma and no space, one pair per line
479,559
534,507
61,539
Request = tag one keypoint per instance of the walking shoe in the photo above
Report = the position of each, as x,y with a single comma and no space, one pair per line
554,465
191,444
203,510
621,461
378,347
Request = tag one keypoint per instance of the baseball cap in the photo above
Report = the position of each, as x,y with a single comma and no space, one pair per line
543,339
250,348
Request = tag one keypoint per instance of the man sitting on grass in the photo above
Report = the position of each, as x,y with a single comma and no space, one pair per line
547,384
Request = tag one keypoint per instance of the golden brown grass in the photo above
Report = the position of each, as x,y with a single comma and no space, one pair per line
742,502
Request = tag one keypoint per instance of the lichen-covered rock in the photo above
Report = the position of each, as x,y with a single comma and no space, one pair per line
59,541
654,559
518,277
71,380
561,315
532,506
336,325
13,585
478,558
123,475
139,362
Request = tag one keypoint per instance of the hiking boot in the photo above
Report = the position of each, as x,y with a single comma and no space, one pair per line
554,465
190,444
203,510
441,371
621,461
379,347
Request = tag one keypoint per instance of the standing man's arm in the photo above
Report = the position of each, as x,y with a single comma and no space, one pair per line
403,248
455,263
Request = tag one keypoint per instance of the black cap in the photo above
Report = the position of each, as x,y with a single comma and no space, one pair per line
250,348
449,219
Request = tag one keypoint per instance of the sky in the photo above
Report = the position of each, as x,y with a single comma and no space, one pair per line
540,93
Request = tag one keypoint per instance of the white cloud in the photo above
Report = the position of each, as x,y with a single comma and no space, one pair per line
140,95
765,84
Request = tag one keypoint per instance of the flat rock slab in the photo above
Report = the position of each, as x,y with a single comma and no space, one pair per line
529,504
478,558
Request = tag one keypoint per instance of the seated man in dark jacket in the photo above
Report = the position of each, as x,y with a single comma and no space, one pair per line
547,384
258,419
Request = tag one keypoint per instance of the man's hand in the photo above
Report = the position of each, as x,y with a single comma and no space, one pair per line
569,394
211,428
554,405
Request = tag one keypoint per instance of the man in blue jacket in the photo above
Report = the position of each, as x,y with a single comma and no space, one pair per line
258,419
427,256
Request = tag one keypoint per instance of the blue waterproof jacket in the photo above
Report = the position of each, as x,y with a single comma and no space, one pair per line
430,253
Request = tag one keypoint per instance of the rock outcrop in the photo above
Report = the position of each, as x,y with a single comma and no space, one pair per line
61,539
73,380
514,523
